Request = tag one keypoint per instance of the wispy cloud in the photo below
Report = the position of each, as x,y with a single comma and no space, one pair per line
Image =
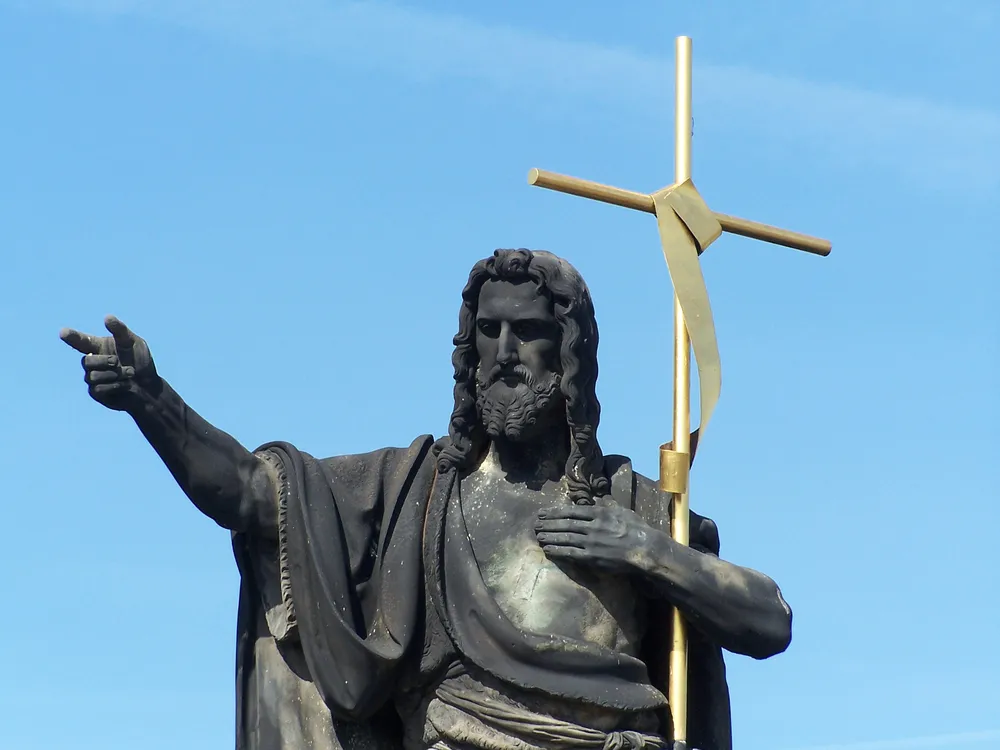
914,138
935,742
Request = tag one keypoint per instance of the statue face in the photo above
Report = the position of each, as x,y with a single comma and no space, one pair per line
517,338
515,326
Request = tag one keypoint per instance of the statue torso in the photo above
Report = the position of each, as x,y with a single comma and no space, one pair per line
535,593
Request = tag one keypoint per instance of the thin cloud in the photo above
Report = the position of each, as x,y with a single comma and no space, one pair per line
917,139
935,742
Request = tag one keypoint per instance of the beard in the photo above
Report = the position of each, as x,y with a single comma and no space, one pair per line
515,411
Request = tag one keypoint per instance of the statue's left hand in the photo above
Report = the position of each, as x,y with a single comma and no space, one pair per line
610,537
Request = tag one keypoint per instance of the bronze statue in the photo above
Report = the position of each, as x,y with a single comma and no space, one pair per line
505,587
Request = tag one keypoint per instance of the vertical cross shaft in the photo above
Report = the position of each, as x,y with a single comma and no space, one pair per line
679,512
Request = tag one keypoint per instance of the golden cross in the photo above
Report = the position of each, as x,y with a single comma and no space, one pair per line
686,226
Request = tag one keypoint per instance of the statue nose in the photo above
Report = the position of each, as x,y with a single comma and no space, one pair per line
507,346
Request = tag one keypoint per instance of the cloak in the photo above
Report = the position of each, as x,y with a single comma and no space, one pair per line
371,592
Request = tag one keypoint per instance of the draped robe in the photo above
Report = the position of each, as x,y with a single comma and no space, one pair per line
371,597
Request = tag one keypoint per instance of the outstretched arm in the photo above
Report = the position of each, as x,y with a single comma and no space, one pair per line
739,609
223,479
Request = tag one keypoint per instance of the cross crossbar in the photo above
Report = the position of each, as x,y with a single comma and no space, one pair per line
643,202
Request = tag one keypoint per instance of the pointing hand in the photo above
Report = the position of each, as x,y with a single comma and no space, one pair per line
117,368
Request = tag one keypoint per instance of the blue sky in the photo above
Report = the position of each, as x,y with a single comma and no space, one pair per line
284,200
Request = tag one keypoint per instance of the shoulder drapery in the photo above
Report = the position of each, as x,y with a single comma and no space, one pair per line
344,600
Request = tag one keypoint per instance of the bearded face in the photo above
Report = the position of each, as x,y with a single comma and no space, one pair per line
517,339
513,403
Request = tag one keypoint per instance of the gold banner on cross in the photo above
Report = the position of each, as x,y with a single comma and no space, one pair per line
687,227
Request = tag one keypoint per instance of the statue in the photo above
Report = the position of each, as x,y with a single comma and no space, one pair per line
506,587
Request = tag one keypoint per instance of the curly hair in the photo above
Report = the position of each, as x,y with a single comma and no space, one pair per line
574,313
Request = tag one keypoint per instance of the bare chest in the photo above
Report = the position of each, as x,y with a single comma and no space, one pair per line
534,592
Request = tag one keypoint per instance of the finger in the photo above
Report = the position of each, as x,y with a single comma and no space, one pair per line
124,338
94,377
100,362
562,540
82,342
108,364
106,389
559,552
93,362
564,525
570,512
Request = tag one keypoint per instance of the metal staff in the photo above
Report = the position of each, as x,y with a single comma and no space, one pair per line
687,227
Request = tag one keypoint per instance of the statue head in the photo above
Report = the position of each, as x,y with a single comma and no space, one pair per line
526,365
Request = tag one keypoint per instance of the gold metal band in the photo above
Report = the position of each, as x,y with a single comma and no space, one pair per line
675,470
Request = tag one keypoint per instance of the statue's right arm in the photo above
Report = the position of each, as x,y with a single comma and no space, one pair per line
224,480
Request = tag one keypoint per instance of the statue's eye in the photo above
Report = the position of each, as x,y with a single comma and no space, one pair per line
529,330
489,328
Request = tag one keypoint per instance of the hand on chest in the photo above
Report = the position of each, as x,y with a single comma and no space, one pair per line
534,591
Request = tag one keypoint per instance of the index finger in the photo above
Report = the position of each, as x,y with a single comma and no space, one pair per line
568,512
82,342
